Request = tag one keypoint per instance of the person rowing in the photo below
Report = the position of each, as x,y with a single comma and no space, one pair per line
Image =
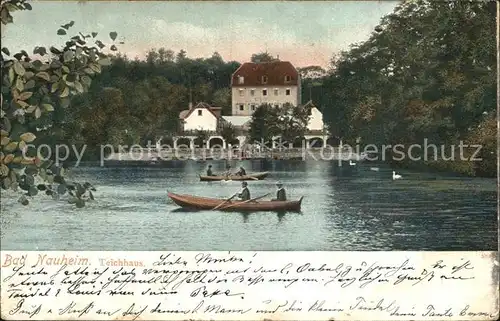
244,195
280,192
241,172
209,171
227,174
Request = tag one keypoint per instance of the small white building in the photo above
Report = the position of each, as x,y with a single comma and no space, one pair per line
200,117
316,123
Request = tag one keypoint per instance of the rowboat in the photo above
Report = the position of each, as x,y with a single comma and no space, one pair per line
205,203
248,177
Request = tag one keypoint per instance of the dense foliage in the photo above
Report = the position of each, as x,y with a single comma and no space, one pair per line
428,71
288,121
139,101
36,92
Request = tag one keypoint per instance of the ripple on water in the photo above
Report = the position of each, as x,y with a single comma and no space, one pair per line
341,211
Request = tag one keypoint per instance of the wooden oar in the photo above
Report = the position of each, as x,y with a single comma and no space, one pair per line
253,178
250,200
213,209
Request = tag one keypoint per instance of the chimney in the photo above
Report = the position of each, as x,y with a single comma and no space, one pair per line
217,112
190,99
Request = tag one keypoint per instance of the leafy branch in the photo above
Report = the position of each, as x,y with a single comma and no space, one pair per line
34,88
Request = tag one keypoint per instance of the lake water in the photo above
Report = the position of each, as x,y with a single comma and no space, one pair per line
346,208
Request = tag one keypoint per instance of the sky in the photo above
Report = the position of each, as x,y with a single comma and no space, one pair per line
305,33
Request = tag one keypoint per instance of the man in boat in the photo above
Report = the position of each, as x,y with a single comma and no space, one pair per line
280,193
227,173
209,171
244,195
241,171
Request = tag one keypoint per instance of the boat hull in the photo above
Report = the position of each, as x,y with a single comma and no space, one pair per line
249,177
205,203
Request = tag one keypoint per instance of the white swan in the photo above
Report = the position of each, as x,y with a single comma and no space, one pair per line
352,163
396,176
375,169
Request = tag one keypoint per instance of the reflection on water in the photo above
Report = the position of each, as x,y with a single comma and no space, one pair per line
344,208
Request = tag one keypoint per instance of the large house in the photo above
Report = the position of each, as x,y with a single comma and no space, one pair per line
202,116
252,84
274,83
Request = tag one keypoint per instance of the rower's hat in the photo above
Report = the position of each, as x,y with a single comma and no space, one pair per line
279,183
244,183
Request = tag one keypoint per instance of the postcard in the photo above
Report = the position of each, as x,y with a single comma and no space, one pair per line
249,160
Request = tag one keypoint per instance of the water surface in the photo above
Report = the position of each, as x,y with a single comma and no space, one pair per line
346,208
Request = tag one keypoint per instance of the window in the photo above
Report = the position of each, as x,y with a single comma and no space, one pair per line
288,78
264,92
252,92
252,107
242,92
264,79
288,92
241,80
242,107
200,112
276,92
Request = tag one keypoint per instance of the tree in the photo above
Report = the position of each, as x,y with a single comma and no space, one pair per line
35,95
263,57
228,132
426,72
154,92
201,138
222,98
259,125
312,72
312,78
287,121
484,135
181,56
290,122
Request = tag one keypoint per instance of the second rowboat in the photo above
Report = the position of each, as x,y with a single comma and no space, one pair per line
248,177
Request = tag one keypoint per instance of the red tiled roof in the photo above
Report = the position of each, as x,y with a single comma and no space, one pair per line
185,113
275,72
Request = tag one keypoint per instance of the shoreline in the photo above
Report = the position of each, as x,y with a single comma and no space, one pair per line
150,158
205,154
416,166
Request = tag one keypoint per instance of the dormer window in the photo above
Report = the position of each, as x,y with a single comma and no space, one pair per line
200,112
241,80
264,79
288,78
